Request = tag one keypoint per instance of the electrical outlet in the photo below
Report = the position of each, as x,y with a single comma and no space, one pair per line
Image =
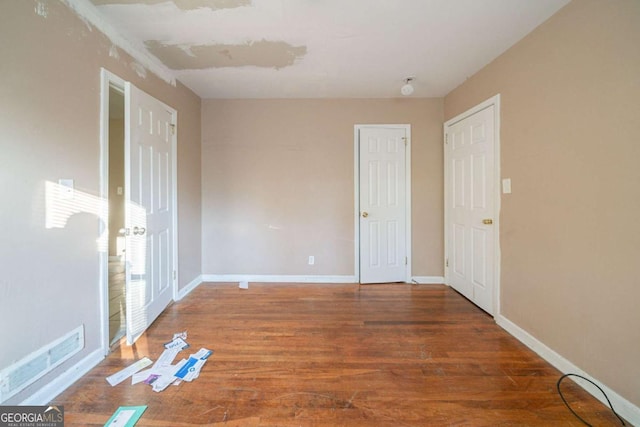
312,260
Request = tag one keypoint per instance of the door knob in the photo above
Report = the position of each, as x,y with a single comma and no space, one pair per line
139,231
487,221
365,214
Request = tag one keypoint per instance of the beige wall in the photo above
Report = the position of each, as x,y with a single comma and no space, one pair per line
49,116
278,183
570,243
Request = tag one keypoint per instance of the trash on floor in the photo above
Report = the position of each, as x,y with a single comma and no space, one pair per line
163,373
122,375
126,416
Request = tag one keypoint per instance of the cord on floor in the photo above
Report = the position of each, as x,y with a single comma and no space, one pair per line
598,387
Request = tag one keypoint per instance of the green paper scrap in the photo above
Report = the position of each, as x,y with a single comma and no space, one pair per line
126,416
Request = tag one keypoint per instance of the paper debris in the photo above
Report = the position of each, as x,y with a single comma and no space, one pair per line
203,354
164,373
182,335
191,370
177,343
189,366
122,375
140,376
167,376
126,416
167,357
244,285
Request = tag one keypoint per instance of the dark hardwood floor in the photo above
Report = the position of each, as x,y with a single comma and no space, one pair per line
337,355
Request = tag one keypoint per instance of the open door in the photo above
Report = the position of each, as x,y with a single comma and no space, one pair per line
149,208
472,200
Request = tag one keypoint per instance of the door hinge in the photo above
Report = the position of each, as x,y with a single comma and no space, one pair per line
446,138
173,129
446,263
404,138
406,261
174,275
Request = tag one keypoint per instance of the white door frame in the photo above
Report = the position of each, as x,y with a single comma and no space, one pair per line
356,179
495,102
108,79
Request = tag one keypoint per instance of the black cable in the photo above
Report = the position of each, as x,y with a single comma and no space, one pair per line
601,390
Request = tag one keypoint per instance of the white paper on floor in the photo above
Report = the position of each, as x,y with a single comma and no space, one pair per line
163,372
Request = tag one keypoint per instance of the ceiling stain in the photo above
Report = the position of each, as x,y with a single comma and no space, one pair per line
183,4
264,53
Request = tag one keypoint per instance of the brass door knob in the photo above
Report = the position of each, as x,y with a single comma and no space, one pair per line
487,221
365,214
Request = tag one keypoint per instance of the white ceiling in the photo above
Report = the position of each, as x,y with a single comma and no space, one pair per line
324,48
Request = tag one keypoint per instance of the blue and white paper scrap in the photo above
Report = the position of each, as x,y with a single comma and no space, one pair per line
191,369
126,416
163,373
177,342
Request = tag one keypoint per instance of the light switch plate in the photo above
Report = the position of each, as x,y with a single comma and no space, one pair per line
506,186
66,189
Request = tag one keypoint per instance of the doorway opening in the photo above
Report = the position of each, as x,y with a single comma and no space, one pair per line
138,267
117,279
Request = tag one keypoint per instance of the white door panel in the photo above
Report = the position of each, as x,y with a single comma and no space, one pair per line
383,225
469,153
148,209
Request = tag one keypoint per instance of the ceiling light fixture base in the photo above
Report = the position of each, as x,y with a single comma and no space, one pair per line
407,89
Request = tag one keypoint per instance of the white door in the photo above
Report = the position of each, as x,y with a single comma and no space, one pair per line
149,209
469,156
382,165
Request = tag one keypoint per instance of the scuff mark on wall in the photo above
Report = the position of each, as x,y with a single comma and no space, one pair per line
41,9
113,52
140,70
264,53
183,4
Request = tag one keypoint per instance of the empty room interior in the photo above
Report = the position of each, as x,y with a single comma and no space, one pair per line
371,212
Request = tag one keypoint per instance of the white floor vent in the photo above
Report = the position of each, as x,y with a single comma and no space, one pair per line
26,371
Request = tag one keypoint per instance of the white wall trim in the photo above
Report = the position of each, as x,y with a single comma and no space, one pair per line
174,223
268,278
623,407
63,381
356,193
90,14
428,280
495,101
190,287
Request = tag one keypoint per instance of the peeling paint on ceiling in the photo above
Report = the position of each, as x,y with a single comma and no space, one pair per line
264,53
323,48
183,4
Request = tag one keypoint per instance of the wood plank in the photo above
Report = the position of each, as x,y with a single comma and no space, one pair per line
337,355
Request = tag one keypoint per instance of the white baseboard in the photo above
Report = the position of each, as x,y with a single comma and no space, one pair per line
49,392
267,278
190,287
623,407
428,280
